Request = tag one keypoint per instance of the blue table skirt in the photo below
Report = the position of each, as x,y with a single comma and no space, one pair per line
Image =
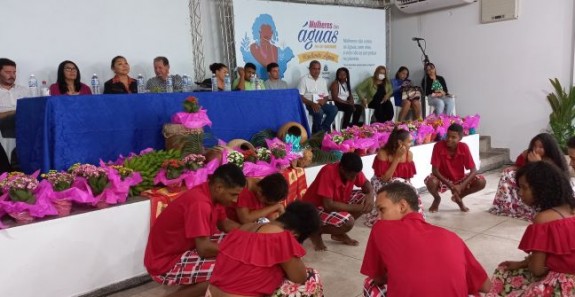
58,131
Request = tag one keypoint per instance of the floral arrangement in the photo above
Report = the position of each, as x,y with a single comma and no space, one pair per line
95,176
235,157
20,187
250,156
173,167
371,137
263,154
194,161
194,117
60,181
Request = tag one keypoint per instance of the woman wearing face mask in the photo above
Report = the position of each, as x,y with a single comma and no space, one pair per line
375,92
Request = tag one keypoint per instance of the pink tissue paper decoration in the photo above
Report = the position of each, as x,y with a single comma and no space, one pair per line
259,169
194,178
194,120
43,206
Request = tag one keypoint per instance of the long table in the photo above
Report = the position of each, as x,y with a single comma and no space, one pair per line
56,132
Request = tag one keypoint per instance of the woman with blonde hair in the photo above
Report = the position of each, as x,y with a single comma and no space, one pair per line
375,92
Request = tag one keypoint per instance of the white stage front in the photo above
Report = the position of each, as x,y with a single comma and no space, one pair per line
81,253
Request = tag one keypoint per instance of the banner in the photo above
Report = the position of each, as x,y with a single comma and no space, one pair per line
293,35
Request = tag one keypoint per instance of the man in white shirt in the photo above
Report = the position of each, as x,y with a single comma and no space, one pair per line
9,93
314,94
275,82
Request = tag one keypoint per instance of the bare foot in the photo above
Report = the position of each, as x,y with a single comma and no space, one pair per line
434,206
318,244
345,239
459,202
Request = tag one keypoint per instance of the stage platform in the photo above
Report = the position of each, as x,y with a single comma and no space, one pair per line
78,254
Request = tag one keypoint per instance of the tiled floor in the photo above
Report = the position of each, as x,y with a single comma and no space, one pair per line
492,239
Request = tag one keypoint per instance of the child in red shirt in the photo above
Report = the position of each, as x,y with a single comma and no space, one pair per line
331,193
397,265
449,160
265,259
260,200
180,249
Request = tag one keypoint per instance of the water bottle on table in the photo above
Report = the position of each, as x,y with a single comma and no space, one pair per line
169,84
214,83
141,86
45,90
95,83
227,82
257,85
33,85
186,85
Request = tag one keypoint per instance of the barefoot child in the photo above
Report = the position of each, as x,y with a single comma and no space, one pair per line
449,160
331,193
261,200
181,248
405,256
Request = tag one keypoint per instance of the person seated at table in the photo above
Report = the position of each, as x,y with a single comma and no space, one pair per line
338,205
265,259
183,241
436,91
157,84
68,81
121,83
507,201
247,79
220,71
449,160
406,256
260,200
549,268
393,163
375,93
406,94
314,94
341,95
274,81
10,92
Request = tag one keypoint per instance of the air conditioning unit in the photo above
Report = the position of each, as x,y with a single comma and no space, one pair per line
417,6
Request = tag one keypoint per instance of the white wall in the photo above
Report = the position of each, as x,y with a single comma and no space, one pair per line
38,35
499,70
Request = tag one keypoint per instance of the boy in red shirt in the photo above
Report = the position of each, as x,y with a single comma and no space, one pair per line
183,242
331,193
449,160
406,256
260,200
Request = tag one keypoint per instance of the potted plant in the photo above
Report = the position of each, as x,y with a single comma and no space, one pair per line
562,113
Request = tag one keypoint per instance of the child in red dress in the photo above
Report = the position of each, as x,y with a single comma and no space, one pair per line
260,200
331,193
181,248
549,268
265,259
405,256
449,160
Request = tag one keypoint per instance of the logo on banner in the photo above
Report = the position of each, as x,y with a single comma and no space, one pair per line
318,38
262,48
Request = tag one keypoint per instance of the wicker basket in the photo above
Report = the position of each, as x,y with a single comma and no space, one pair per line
177,136
292,126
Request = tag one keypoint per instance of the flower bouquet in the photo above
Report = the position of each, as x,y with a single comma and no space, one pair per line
281,154
187,127
120,180
170,175
93,181
200,175
234,157
61,190
470,124
263,154
22,198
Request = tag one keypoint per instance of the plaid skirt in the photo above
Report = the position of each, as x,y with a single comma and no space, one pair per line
444,188
311,288
370,289
338,218
191,268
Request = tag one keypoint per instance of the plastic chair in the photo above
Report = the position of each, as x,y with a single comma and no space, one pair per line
367,114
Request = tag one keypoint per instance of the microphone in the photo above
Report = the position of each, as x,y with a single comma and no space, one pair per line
417,39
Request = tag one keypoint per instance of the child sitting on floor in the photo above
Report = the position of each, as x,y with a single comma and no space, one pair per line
406,256
549,269
331,193
260,200
265,259
449,160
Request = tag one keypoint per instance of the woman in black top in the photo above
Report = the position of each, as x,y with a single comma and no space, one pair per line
436,92
121,83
